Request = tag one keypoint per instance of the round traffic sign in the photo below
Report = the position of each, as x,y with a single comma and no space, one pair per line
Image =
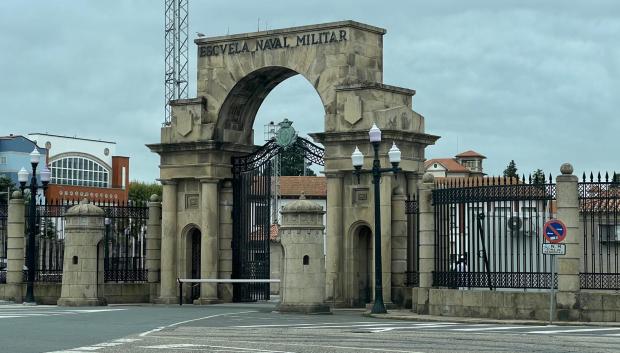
554,230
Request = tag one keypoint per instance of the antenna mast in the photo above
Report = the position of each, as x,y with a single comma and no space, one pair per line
176,38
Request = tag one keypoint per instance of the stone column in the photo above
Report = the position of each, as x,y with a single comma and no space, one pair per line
168,273
335,255
209,243
427,244
568,268
15,247
303,280
399,246
153,243
81,272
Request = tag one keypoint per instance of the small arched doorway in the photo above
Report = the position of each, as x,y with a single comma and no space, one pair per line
194,238
363,263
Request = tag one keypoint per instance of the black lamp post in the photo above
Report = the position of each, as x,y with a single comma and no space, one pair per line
358,160
22,176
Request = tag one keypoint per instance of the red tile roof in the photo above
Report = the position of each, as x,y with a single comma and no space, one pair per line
450,164
312,186
470,153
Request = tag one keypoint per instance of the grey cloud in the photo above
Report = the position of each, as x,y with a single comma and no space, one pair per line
526,80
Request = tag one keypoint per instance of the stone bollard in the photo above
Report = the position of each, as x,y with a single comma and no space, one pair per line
82,271
421,295
15,247
303,280
568,265
153,244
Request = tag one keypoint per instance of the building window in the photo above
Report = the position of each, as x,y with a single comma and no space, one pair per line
79,171
2,159
609,232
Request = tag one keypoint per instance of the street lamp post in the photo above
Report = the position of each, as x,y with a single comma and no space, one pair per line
22,176
357,158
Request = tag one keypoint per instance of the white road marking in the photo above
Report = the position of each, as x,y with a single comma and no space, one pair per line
385,329
492,328
576,330
226,348
146,333
97,346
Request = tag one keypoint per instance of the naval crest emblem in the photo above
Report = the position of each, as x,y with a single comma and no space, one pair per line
286,134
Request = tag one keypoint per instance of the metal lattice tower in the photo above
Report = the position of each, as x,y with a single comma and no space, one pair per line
271,130
176,38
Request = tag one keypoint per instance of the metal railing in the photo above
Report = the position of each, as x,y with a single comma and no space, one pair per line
3,241
599,205
488,232
124,240
412,211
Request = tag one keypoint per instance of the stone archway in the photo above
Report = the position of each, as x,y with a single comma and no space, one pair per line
344,63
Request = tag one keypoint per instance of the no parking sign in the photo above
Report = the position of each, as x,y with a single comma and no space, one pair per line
555,231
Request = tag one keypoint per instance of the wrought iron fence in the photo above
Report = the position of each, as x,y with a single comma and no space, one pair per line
124,240
488,232
412,275
3,241
49,241
599,203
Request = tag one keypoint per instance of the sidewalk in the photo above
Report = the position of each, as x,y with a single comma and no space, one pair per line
404,314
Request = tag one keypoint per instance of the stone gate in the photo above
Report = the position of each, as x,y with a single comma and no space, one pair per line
344,63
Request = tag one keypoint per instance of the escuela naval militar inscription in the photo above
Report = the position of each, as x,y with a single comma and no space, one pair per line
279,42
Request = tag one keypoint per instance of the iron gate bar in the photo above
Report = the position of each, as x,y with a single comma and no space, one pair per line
252,188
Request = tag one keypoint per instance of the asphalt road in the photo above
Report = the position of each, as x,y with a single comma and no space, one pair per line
255,328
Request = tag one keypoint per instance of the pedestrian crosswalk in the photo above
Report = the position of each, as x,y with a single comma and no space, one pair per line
454,327
17,311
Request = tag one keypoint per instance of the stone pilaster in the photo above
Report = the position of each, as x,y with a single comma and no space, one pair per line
386,238
427,243
334,256
15,247
568,265
209,254
225,291
399,246
81,271
153,242
168,292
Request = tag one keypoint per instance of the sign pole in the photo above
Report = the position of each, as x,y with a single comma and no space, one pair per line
552,291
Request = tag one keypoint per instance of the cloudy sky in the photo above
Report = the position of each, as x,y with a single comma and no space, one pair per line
533,81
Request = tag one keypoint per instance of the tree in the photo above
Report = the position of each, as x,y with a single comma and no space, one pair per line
538,177
511,170
292,162
141,192
6,186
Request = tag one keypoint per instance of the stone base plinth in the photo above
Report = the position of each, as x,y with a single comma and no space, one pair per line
304,308
166,300
207,301
388,305
82,302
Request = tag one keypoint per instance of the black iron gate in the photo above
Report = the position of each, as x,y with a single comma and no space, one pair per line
252,190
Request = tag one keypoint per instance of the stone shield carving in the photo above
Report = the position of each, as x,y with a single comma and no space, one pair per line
184,124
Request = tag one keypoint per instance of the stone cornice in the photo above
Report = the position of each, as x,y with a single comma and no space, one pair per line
375,85
292,30
200,146
362,136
